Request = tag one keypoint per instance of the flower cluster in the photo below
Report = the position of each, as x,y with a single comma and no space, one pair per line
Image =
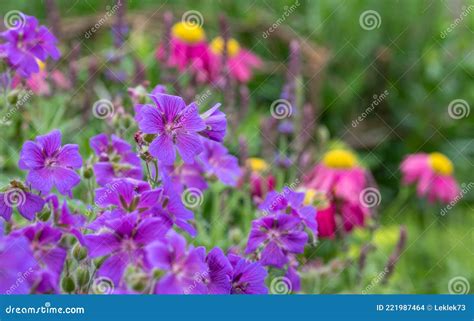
27,46
188,48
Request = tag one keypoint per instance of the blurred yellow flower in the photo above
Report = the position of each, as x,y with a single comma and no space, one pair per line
257,164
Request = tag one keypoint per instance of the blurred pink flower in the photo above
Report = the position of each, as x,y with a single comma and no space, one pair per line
187,48
433,175
240,62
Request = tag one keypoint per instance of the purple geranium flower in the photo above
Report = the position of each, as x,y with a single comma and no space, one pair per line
217,161
220,272
176,126
17,264
28,204
116,159
185,269
247,277
124,241
280,234
173,210
128,195
27,42
51,164
44,242
289,201
216,124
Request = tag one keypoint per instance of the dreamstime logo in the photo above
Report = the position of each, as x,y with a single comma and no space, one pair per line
459,285
459,108
192,197
465,188
464,13
192,19
281,285
110,11
281,108
14,19
14,197
22,277
377,100
376,280
370,197
370,20
103,108
103,285
286,13
23,97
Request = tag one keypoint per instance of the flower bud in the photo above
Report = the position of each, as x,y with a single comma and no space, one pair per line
79,252
82,277
68,284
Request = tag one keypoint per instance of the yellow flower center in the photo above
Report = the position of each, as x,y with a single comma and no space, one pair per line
440,163
41,64
217,46
188,32
339,158
257,164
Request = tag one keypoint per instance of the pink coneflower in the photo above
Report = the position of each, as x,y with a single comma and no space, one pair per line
187,48
343,181
433,174
240,62
338,174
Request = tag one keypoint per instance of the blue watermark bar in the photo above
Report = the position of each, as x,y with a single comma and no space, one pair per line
189,307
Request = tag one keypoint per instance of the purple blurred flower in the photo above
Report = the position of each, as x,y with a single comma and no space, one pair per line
17,264
116,159
124,241
51,164
216,124
218,278
27,42
185,268
27,204
176,126
289,201
44,242
217,161
280,235
247,277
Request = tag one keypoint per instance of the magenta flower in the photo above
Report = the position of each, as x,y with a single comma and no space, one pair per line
27,203
280,235
187,48
184,268
176,126
247,277
124,241
338,175
27,43
50,164
433,175
116,159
